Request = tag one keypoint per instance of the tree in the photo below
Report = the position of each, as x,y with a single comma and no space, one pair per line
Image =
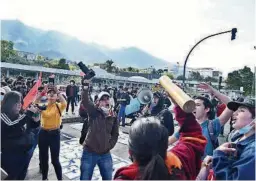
74,66
159,71
169,75
130,69
7,51
196,76
109,66
153,71
61,64
210,79
180,77
241,78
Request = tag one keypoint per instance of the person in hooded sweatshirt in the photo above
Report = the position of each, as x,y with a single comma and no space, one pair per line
236,160
148,143
157,108
16,140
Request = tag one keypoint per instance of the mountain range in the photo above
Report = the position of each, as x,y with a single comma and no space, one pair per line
53,44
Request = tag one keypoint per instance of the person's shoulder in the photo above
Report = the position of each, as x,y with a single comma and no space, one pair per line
215,120
61,103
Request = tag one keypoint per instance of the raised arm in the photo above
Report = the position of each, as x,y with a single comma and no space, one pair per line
227,113
191,145
86,102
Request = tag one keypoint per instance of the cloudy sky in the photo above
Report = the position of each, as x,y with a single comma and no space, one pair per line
165,28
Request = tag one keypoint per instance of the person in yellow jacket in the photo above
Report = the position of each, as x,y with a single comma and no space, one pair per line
49,135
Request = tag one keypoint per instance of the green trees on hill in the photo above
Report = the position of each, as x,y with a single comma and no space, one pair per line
7,51
9,55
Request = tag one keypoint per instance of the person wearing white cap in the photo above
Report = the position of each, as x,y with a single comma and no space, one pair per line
99,134
2,93
7,89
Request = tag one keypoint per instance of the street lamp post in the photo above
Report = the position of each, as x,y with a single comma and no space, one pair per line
233,36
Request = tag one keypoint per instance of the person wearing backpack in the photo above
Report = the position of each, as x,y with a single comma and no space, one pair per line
235,160
49,134
205,115
99,134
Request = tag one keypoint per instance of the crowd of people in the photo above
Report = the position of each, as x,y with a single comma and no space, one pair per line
196,153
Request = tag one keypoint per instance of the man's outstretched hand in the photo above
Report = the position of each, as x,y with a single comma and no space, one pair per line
206,87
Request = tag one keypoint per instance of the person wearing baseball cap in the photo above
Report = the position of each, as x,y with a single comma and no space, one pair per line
2,94
99,134
236,160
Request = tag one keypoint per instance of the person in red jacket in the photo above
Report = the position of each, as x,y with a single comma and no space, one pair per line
148,142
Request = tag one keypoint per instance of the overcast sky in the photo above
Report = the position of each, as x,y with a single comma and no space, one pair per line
165,28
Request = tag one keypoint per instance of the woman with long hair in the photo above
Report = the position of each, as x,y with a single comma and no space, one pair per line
148,143
16,141
49,134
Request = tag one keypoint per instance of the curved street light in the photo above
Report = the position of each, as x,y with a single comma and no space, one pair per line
233,37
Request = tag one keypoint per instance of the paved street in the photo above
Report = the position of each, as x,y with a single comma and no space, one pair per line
71,151
70,155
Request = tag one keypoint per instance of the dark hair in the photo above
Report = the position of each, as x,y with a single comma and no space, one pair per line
240,99
72,81
160,105
6,79
148,143
214,102
19,78
95,97
41,88
3,84
10,81
10,99
207,104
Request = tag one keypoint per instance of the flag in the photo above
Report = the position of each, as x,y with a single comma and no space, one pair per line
31,96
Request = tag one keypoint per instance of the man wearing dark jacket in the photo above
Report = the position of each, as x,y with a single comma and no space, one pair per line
71,93
124,100
102,131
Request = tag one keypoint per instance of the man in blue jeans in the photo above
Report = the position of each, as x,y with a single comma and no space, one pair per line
124,100
99,134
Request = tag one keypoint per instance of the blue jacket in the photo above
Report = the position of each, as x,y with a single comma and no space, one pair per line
239,167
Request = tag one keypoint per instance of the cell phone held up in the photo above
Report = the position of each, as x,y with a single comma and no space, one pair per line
51,83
